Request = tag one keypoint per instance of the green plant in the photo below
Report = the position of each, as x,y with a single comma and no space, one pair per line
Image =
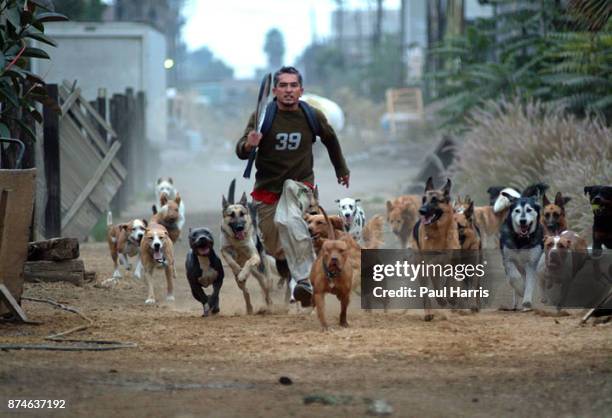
528,50
20,89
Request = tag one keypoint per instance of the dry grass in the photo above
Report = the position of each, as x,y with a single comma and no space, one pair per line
511,144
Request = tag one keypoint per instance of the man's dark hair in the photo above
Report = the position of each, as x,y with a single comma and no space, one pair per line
287,70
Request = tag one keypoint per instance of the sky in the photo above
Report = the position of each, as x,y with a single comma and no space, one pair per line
235,30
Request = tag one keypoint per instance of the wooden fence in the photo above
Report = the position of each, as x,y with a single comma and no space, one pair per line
94,156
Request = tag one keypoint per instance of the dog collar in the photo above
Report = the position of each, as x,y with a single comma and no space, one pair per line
330,276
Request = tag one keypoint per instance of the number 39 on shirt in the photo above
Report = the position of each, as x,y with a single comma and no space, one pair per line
286,141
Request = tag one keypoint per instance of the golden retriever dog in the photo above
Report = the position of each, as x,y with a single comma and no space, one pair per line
402,214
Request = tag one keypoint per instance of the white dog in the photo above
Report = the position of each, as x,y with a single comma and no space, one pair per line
352,215
166,185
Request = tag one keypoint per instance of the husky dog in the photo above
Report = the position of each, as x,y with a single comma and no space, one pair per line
521,243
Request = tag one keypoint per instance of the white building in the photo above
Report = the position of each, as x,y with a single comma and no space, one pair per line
114,56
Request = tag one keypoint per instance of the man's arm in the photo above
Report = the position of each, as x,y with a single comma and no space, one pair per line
330,140
243,149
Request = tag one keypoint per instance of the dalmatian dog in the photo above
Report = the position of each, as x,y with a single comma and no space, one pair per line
353,216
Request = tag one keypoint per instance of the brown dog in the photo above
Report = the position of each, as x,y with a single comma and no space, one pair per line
123,242
436,230
157,252
469,233
168,215
318,226
402,214
332,273
553,214
564,255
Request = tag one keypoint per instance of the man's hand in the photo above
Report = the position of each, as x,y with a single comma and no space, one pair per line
344,180
253,139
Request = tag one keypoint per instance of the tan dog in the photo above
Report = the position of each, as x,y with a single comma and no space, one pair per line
123,242
168,215
564,255
318,226
332,273
553,214
402,214
469,233
238,248
436,230
157,252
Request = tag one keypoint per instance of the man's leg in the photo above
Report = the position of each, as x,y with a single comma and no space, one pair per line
295,238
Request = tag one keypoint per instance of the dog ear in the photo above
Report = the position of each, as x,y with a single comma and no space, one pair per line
170,180
154,209
429,184
545,200
316,192
447,188
337,222
588,189
566,200
123,227
389,206
144,221
337,200
469,211
558,199
357,200
224,203
159,180
243,199
177,199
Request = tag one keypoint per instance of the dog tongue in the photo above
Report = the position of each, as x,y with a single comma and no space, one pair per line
157,255
203,251
427,219
240,235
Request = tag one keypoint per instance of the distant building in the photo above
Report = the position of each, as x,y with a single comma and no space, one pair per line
163,15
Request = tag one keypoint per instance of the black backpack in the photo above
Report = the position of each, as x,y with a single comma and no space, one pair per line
311,118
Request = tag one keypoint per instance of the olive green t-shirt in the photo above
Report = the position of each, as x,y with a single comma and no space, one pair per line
285,152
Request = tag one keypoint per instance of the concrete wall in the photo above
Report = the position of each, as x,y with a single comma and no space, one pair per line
113,55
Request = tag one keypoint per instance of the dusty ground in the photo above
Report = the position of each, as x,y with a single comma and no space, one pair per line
490,364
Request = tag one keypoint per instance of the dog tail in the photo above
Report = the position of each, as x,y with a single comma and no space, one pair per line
373,233
231,192
502,202
332,232
109,218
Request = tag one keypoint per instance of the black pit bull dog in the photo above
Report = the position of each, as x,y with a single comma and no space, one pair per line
204,268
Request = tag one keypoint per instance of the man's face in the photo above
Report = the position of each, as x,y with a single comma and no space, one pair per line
288,90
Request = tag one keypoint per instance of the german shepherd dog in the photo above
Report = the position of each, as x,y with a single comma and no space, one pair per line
239,249
435,230
553,214
471,243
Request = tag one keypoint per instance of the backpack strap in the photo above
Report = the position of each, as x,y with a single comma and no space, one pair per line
311,118
309,113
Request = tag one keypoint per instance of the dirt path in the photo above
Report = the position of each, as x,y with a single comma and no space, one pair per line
490,364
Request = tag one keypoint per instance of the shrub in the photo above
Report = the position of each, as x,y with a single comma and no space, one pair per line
514,144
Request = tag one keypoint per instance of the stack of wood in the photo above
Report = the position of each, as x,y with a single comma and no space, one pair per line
54,260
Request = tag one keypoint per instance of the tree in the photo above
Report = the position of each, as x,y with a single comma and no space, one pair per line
201,65
274,48
88,10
